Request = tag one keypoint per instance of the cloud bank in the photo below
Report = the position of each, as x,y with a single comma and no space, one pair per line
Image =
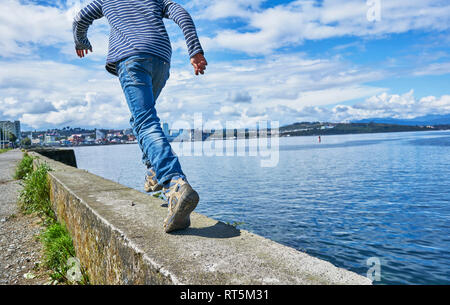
43,84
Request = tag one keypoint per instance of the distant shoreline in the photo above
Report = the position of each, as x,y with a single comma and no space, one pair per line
323,129
280,136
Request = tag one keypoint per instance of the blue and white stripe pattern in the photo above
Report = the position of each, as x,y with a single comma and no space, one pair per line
136,27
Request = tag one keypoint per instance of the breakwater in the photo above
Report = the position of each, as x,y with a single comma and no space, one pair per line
118,237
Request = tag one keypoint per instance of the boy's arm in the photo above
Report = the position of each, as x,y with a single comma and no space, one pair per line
181,17
81,24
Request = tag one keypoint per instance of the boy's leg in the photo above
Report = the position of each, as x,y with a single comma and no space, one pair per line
145,160
158,83
142,78
150,182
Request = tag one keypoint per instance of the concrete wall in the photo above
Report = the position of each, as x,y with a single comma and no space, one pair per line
119,239
66,156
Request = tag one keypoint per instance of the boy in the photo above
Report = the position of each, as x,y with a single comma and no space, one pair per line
139,54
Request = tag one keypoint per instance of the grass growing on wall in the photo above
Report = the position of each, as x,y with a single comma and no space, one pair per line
58,246
58,249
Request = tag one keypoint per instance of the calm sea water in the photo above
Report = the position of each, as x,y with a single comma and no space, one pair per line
345,200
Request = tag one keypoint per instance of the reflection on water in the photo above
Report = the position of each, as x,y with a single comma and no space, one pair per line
344,200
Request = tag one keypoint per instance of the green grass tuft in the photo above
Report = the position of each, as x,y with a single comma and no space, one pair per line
24,167
58,248
35,195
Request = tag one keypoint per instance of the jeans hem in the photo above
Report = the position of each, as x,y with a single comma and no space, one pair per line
167,178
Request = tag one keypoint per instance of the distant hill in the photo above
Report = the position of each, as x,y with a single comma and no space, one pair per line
317,128
433,119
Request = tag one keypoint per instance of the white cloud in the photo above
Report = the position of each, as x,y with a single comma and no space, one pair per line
290,24
434,69
22,25
247,90
404,106
241,91
43,93
223,9
287,87
26,27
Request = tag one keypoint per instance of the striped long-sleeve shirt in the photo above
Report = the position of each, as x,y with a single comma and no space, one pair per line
136,27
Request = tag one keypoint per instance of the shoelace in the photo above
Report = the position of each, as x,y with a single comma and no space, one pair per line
173,187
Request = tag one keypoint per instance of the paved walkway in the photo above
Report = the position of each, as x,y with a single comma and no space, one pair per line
19,250
8,186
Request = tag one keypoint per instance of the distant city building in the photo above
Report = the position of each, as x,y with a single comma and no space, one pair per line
50,139
99,135
128,131
165,128
65,143
326,127
13,127
76,139
89,140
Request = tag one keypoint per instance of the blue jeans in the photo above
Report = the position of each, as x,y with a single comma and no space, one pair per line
142,78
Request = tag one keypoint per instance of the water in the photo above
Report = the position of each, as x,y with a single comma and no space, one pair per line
348,199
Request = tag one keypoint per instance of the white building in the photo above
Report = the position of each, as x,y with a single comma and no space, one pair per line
99,135
50,139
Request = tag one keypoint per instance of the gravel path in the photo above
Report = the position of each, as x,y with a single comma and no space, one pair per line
20,251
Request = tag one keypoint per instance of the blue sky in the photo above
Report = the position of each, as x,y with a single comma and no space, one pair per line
278,60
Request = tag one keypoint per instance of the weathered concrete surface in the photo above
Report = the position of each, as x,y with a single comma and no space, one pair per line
119,239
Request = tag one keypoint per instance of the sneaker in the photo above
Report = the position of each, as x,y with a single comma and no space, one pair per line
182,200
151,184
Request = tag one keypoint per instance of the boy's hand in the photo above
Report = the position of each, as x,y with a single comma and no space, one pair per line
83,52
199,63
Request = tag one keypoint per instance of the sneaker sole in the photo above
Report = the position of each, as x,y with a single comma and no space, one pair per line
181,218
